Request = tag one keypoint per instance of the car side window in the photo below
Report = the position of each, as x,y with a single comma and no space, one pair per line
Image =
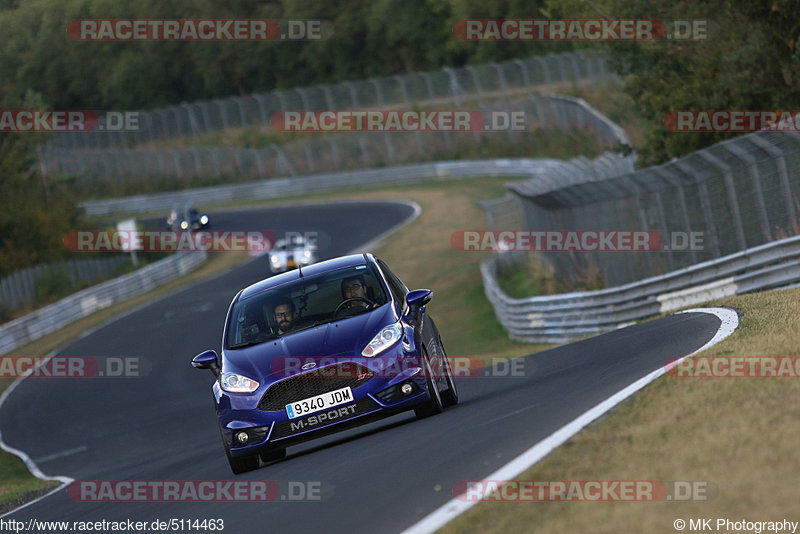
397,287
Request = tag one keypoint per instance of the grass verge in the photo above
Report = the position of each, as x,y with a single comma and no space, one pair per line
18,485
739,435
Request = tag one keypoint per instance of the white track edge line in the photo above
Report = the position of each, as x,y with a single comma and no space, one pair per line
376,241
65,480
22,455
455,507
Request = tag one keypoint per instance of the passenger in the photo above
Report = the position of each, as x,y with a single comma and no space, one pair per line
285,315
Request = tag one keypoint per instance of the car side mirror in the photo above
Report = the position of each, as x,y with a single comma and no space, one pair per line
418,298
206,360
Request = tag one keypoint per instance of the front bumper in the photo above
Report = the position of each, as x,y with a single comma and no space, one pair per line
379,397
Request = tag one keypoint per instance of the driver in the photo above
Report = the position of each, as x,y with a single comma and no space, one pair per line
355,287
285,315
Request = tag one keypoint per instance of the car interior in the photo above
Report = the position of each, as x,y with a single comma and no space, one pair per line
315,302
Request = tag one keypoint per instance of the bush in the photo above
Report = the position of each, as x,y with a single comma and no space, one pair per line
53,284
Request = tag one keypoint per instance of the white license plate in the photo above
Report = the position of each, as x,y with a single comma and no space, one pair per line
319,402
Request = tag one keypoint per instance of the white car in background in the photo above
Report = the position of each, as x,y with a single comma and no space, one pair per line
290,253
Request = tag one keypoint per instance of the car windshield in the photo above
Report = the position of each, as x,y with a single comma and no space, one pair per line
302,304
283,244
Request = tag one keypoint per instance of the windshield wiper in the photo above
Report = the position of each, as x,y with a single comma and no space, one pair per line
257,341
307,326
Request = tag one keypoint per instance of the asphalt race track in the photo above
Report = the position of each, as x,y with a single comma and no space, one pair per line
378,478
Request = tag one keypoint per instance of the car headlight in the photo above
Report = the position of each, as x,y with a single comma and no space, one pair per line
203,220
388,336
234,383
274,259
307,254
184,225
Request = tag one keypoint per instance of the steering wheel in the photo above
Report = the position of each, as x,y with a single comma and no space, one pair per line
340,307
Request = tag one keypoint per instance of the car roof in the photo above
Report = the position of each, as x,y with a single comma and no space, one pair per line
314,269
287,240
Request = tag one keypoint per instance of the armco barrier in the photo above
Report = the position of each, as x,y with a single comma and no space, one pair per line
575,112
736,194
446,86
82,304
329,153
560,318
567,113
299,185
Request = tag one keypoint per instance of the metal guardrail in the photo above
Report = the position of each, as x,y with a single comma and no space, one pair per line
350,151
564,113
740,195
482,83
282,187
560,318
20,287
84,303
736,194
74,307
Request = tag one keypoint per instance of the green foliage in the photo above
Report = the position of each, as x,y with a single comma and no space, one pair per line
34,215
370,38
52,284
6,312
749,63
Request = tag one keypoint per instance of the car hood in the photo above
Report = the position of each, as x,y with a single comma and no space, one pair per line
344,338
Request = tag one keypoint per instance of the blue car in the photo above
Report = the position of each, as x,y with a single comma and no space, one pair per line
319,349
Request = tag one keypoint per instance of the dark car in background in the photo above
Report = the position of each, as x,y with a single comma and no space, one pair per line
186,218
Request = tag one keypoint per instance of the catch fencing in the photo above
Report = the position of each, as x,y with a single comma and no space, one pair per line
547,111
325,153
473,84
19,288
726,198
727,216
46,320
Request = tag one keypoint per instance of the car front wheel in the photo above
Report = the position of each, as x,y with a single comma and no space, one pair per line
434,405
450,395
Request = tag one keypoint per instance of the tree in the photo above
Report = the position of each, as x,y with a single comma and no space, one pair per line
750,62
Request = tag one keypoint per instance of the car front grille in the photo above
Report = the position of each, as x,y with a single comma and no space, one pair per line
316,382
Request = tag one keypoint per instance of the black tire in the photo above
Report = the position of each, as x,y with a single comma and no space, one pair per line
450,395
271,456
433,406
243,464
